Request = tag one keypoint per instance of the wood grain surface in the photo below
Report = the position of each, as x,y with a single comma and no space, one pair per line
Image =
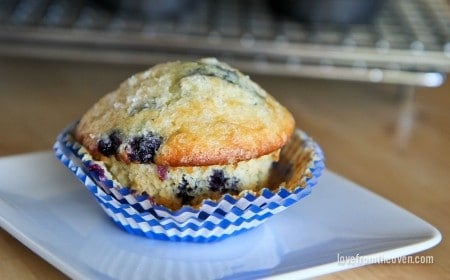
355,123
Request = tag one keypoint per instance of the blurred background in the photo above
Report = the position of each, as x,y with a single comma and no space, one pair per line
367,79
397,42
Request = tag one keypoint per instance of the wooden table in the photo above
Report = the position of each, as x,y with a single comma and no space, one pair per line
354,123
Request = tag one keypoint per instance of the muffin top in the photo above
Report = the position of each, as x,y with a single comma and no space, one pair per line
186,114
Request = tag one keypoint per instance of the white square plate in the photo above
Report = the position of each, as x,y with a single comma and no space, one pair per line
44,206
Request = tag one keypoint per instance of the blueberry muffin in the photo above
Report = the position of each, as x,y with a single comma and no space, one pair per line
185,131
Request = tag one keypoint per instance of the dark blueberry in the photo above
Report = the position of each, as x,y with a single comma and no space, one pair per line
185,192
98,170
219,182
142,149
108,146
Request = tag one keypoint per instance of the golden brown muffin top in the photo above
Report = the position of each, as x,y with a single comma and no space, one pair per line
186,114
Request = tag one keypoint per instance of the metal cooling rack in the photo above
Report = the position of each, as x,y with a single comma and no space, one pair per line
407,44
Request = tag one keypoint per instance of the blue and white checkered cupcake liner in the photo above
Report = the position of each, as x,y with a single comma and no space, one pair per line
214,220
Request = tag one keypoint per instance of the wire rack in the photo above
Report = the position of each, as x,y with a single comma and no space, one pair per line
408,43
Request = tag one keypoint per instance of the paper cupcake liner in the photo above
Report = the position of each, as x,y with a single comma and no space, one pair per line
214,220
